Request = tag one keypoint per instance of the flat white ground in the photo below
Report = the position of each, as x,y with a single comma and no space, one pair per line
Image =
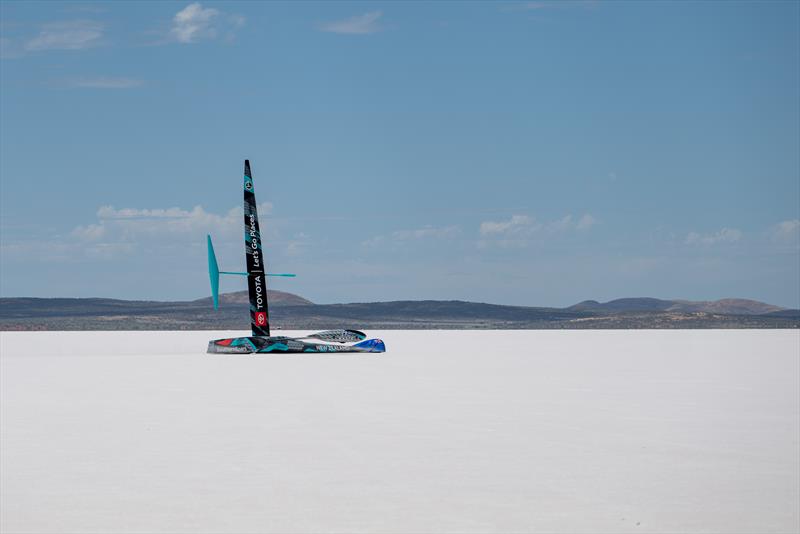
491,431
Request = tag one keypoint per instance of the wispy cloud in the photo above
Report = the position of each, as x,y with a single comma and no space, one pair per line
521,225
519,230
359,24
726,235
196,23
516,225
123,231
535,6
110,212
549,5
426,232
130,224
67,35
103,82
786,231
585,222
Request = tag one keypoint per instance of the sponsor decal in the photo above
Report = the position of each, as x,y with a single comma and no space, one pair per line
259,291
261,318
254,241
248,185
330,348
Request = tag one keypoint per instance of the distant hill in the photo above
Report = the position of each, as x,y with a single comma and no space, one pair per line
288,310
623,305
792,314
276,298
723,306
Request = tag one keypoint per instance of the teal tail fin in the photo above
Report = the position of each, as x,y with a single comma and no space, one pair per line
213,273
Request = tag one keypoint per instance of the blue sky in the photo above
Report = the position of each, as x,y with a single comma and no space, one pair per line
535,153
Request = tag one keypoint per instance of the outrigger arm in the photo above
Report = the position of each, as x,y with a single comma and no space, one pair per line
214,272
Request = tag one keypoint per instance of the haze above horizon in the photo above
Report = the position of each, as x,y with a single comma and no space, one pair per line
533,153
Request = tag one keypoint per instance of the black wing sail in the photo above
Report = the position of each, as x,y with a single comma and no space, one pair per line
256,279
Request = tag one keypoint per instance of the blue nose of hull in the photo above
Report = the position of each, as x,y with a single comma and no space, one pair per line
373,345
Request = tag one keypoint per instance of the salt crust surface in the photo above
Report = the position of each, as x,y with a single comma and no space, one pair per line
488,431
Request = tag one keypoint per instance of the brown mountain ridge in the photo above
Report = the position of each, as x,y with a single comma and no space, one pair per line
291,311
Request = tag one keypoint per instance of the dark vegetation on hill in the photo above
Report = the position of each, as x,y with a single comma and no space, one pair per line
291,311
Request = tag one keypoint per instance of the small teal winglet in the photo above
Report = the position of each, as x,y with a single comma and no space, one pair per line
213,273
268,274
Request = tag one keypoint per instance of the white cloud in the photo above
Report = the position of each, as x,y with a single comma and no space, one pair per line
129,224
523,225
515,225
552,4
90,232
123,231
533,6
426,232
67,35
102,82
237,21
520,230
360,24
194,22
790,227
726,235
561,225
585,222
110,212
788,230
376,241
